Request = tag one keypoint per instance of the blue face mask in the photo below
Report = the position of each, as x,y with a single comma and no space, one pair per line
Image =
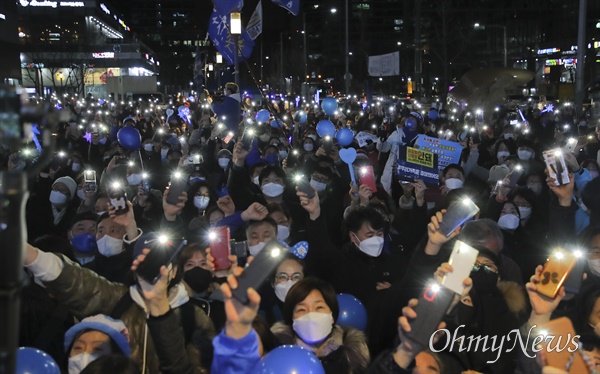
272,159
84,243
196,179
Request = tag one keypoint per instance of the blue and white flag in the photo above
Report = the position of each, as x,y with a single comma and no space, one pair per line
292,6
255,24
218,30
228,6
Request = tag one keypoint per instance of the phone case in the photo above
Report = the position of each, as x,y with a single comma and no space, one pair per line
575,277
431,309
259,269
118,199
247,140
571,145
557,168
457,214
367,177
515,176
462,259
219,247
304,186
571,362
555,272
177,187
149,269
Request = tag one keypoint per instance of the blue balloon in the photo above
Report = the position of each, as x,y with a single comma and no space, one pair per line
433,114
325,127
289,359
263,115
129,138
32,360
300,116
344,137
410,123
276,123
329,105
352,312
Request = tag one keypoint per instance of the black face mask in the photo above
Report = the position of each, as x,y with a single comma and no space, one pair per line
198,279
484,282
464,313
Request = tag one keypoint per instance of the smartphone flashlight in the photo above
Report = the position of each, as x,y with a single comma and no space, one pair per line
145,175
578,253
163,239
177,175
572,140
363,171
467,201
559,255
212,235
116,185
131,164
518,167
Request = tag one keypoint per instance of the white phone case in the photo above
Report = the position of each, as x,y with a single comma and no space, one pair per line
462,259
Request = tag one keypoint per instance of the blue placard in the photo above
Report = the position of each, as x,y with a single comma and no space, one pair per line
415,164
448,152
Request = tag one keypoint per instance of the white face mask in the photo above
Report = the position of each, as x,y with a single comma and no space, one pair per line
283,154
319,186
371,246
148,147
255,249
281,289
536,188
509,222
84,260
453,183
201,202
313,327
594,265
272,189
508,136
109,246
525,212
76,167
134,179
255,180
524,154
57,198
502,154
308,147
81,193
163,153
283,233
79,362
312,136
223,162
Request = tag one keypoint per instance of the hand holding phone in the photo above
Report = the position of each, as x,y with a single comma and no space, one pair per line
462,259
118,198
163,252
304,186
557,167
179,183
220,247
89,180
367,177
431,308
457,214
556,270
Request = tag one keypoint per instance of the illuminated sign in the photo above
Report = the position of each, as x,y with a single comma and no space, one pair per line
51,4
561,61
103,55
548,51
104,8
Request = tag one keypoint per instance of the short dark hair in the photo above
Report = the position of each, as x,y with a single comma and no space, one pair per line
267,219
359,216
455,167
188,252
272,169
274,207
301,290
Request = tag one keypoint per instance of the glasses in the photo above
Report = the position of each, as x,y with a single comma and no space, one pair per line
320,178
284,277
487,268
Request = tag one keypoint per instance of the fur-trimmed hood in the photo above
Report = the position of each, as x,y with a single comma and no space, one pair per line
352,341
514,295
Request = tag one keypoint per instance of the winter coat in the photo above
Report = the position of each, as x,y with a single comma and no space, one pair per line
86,294
344,351
230,109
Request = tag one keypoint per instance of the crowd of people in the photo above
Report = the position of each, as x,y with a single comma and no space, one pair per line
87,306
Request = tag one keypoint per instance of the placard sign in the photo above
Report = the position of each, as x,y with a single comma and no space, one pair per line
413,163
448,152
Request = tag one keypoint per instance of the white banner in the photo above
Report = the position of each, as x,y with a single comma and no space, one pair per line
384,65
254,27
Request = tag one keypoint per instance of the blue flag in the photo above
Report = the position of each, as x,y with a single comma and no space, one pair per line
292,6
218,30
199,63
228,6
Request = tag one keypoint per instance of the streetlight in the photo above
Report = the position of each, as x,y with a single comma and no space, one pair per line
478,26
219,58
60,75
236,30
333,10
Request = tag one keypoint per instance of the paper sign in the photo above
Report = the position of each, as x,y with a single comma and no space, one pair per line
448,152
363,136
414,164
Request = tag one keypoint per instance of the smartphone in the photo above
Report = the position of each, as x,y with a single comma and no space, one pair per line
239,249
247,138
161,254
561,331
555,272
575,278
118,197
228,137
515,175
457,214
259,269
367,177
571,145
462,259
89,180
304,186
327,144
179,184
220,247
431,309
557,168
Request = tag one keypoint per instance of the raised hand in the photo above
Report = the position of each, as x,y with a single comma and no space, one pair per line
172,211
155,295
436,238
255,212
541,306
127,220
564,193
312,206
443,270
226,205
239,316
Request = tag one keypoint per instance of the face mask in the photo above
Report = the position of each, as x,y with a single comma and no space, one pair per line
255,180
508,136
223,162
255,249
100,213
272,159
134,179
308,147
536,188
313,327
284,154
163,153
272,189
81,193
525,212
102,141
509,222
57,198
502,154
76,167
79,362
453,183
594,174
84,243
196,179
464,313
281,289
85,260
148,147
312,136
109,246
594,266
319,186
524,155
198,279
201,202
283,233
484,282
371,246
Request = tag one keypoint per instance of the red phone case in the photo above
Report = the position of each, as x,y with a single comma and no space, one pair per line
220,247
367,177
